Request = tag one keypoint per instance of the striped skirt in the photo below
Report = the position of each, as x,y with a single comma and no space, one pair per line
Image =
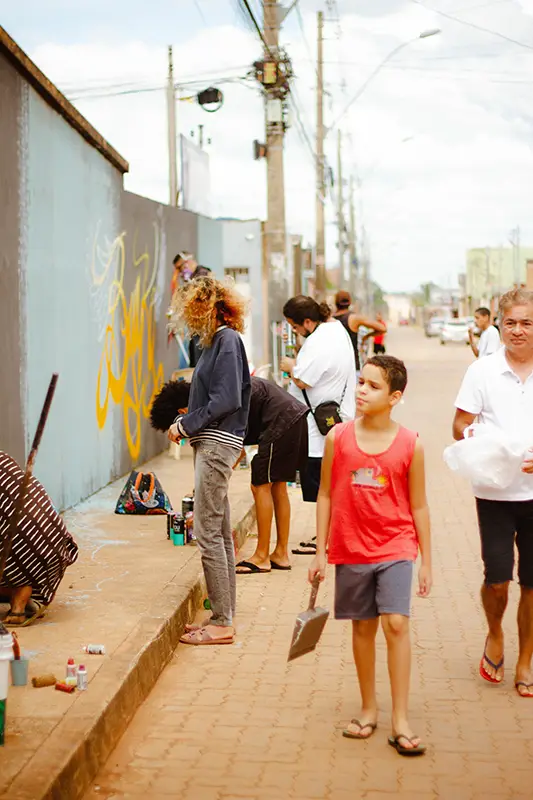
42,547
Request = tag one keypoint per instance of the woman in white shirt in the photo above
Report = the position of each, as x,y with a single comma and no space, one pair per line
325,369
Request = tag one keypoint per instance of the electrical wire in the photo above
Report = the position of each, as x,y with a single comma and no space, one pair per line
255,23
200,12
473,25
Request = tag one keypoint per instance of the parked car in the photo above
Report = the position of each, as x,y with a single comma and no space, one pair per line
455,330
434,326
403,321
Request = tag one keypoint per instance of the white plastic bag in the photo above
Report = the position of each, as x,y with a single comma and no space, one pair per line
488,458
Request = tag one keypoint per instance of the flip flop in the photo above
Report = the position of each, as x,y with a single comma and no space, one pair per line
394,741
11,614
528,686
483,672
202,637
275,565
298,552
252,568
349,735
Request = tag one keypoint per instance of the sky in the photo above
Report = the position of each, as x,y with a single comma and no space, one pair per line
438,144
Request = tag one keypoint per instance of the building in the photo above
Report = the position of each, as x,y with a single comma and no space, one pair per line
492,271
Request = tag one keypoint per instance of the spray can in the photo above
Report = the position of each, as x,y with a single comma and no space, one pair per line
6,655
82,678
71,669
94,649
178,534
187,506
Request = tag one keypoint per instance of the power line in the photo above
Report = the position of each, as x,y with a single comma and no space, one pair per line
200,12
255,23
473,25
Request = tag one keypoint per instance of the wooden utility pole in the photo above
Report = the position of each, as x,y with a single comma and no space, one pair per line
340,213
352,250
320,250
172,141
275,224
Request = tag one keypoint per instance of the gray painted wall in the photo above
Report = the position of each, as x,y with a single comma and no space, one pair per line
11,333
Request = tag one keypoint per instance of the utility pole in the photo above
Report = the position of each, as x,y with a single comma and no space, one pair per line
340,212
172,142
276,249
320,250
352,249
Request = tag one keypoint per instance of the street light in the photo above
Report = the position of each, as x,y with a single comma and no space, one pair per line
423,35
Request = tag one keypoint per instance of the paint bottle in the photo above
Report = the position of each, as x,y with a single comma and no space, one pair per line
6,654
82,678
94,649
71,669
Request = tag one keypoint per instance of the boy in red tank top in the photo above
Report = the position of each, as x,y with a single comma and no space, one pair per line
372,518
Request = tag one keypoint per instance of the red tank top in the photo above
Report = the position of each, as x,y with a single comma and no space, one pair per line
371,519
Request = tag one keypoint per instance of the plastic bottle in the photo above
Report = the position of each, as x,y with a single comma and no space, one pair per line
82,678
71,668
6,654
94,649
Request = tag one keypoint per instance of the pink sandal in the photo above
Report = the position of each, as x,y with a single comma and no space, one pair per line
201,636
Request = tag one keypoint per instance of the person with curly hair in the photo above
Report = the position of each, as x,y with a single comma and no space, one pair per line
215,424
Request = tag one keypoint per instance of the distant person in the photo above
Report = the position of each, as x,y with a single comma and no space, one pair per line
323,371
489,341
498,392
373,519
184,267
353,322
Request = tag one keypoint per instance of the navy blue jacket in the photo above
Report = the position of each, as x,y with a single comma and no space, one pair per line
220,393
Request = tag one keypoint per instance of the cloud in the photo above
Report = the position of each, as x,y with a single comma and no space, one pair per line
460,100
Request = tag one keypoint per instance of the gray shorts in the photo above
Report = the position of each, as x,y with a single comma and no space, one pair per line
366,591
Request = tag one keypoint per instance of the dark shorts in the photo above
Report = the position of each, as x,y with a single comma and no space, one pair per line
310,479
278,461
366,591
379,349
501,524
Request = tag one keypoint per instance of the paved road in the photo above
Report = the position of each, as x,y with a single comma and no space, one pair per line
237,722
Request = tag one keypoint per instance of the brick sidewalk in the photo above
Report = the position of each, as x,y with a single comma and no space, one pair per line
237,722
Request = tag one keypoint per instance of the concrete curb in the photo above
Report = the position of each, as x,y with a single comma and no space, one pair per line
86,737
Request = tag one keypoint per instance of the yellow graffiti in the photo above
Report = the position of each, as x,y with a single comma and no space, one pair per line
128,373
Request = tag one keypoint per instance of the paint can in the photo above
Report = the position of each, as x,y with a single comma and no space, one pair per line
178,534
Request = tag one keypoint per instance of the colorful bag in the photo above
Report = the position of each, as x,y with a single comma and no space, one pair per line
143,494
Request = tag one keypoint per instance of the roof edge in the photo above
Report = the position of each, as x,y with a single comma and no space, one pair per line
56,100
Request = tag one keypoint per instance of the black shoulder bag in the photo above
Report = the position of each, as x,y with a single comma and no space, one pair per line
326,414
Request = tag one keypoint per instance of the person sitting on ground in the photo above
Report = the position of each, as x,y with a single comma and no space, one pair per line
41,550
353,322
373,513
277,423
215,423
489,341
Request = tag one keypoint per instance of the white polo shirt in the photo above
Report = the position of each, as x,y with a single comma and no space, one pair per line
326,364
492,391
489,342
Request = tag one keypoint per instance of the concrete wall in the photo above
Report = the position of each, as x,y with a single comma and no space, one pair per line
71,204
11,334
242,249
209,252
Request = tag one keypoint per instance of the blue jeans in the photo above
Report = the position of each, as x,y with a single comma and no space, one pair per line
213,467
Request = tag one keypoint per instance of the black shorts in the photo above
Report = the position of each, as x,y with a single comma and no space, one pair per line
310,479
278,461
501,523
379,349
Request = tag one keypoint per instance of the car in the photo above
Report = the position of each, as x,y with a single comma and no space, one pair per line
403,321
434,326
455,330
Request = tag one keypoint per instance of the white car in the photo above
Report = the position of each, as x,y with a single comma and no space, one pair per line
434,326
455,330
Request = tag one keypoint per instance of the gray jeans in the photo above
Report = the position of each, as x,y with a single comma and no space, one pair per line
213,467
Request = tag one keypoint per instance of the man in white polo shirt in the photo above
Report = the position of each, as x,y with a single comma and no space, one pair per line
499,390
489,341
